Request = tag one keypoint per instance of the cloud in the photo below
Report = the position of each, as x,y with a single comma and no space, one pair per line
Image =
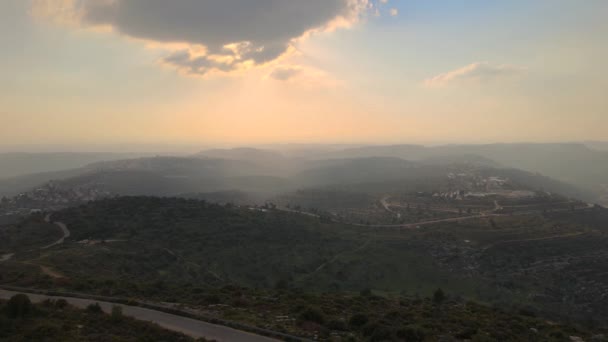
284,73
479,71
240,33
394,12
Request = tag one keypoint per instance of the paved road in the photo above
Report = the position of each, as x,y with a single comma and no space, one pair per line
64,230
188,326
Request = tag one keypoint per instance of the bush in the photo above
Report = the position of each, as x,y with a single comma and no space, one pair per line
42,332
94,308
366,292
527,311
438,296
412,333
381,333
117,313
358,320
375,331
18,306
211,299
466,334
337,325
281,285
61,303
312,315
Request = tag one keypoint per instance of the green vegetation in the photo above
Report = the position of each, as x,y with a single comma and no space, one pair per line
28,234
20,320
305,275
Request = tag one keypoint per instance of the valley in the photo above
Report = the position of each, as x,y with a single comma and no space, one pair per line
256,243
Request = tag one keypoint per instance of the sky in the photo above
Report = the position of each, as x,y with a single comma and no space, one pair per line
241,72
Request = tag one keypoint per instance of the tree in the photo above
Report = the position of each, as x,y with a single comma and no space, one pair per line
94,308
117,313
282,284
312,315
61,303
412,333
439,296
19,306
358,320
367,292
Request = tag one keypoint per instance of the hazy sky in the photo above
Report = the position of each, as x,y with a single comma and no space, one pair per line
85,72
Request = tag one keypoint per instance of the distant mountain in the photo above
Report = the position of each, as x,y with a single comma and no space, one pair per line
597,145
158,176
466,159
569,162
271,162
15,185
244,153
360,170
181,167
266,172
18,164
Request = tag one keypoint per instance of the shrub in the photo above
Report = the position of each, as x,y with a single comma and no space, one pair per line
358,320
43,332
19,306
377,332
281,285
94,308
312,315
212,299
412,333
381,333
527,311
117,313
337,325
466,334
438,296
61,303
366,292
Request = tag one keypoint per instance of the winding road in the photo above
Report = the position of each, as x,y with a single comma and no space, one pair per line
188,326
64,230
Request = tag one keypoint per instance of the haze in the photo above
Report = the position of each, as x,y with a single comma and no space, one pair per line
299,170
102,75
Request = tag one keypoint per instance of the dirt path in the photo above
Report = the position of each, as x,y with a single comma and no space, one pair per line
50,272
546,238
386,205
425,223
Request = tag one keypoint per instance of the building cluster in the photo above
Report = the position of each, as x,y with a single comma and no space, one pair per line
49,197
472,185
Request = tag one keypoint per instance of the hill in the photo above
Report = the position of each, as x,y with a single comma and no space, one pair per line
19,164
166,248
573,163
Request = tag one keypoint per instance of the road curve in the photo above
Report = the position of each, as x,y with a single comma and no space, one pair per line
187,326
64,230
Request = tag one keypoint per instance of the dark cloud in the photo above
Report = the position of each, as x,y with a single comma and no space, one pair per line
264,28
185,61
